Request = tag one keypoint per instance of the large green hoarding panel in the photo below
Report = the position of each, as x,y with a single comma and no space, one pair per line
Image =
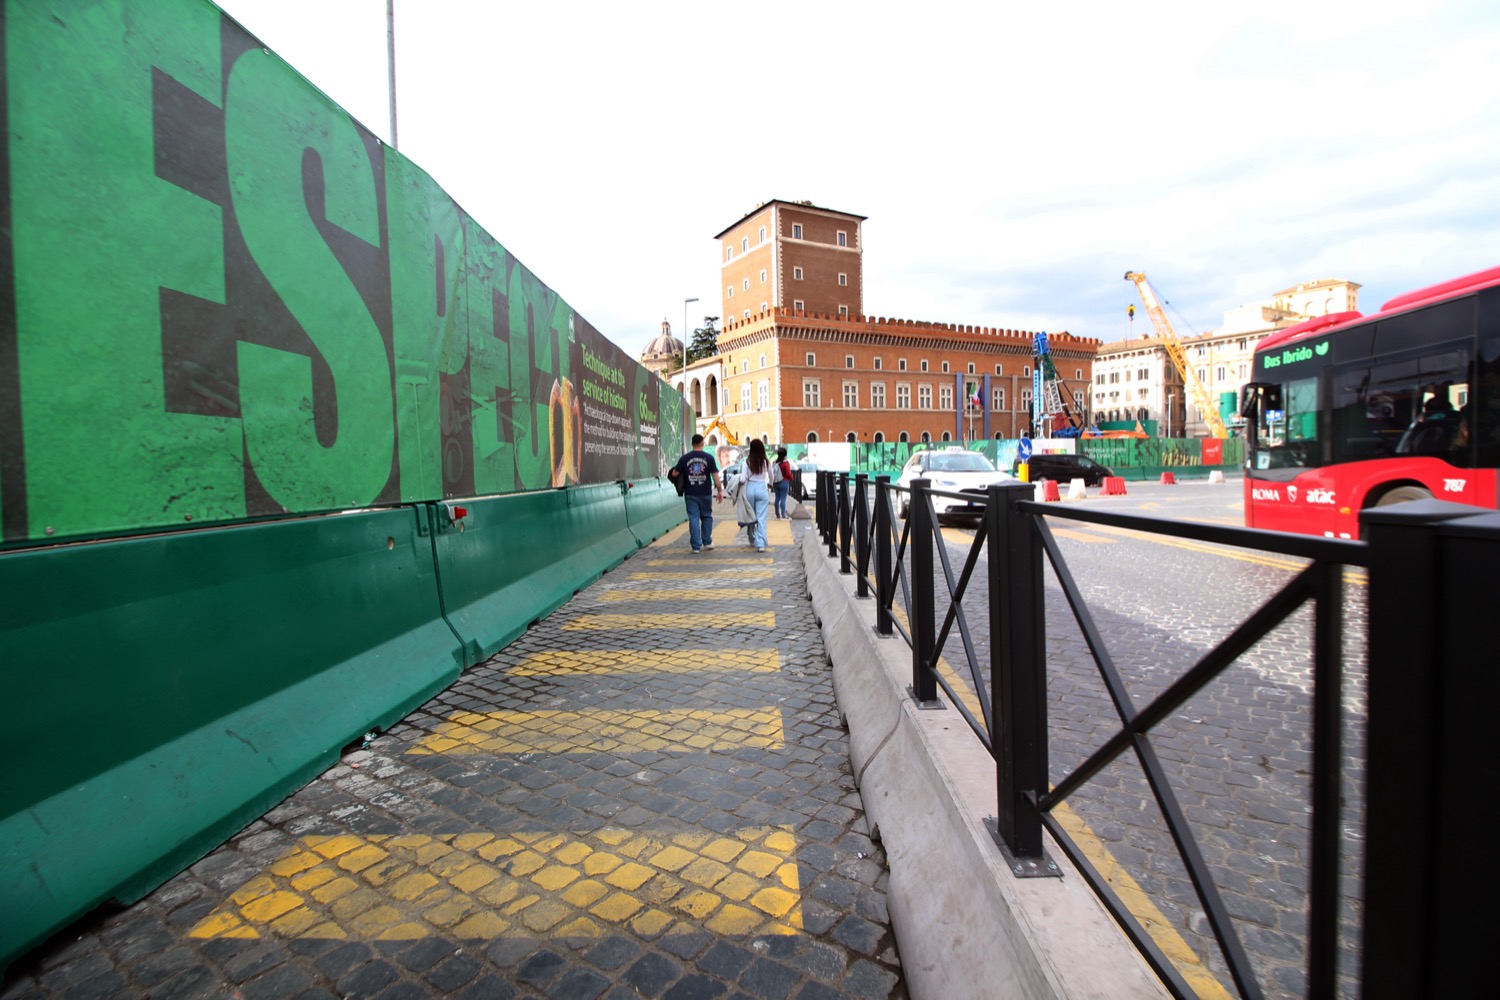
227,299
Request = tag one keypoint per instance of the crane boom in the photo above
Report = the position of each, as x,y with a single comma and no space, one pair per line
1174,349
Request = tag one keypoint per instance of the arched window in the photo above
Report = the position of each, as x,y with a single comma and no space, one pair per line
812,436
999,436
903,438
850,438
926,437
947,436
879,437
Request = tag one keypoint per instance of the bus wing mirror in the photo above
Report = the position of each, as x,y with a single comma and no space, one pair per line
1248,404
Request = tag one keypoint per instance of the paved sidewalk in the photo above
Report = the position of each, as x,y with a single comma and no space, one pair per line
647,795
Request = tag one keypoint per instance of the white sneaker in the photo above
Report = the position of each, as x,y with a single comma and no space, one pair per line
760,548
707,546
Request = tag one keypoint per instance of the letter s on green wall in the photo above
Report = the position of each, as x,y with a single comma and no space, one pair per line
272,120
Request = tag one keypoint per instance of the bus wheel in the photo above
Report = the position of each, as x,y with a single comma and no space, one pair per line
1401,494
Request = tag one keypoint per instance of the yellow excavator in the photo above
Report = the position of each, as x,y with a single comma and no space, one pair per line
1168,338
730,437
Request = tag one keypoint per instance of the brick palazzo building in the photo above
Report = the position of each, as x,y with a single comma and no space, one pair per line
800,361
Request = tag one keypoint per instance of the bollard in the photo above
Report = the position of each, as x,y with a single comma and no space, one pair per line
1114,486
1076,490
1167,479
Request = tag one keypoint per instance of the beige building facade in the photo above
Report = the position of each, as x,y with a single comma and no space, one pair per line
1135,380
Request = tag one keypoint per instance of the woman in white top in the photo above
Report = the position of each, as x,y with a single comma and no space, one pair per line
758,485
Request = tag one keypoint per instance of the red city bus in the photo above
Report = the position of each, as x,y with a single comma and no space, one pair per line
1348,411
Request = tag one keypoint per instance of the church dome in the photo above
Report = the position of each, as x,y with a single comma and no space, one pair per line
664,346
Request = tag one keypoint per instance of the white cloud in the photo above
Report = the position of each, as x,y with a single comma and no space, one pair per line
1014,159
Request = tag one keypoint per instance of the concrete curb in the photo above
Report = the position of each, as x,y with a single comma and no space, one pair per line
965,926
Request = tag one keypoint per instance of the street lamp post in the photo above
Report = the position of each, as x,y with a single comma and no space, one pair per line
684,345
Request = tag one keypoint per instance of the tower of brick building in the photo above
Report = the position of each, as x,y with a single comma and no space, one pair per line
802,362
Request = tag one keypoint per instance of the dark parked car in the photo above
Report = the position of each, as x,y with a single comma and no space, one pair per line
1065,469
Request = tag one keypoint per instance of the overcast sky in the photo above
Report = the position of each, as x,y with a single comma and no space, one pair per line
1013,159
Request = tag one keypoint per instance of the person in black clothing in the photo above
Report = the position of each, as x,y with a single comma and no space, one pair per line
698,476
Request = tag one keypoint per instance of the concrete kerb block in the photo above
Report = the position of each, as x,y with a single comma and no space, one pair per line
964,924
1077,490
1216,476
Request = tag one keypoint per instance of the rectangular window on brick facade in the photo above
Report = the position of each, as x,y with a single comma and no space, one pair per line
945,367
797,305
729,291
843,279
851,395
843,310
924,365
878,364
901,364
812,391
903,396
945,397
763,394
843,238
762,276
924,397
971,368
745,397
848,361
812,360
762,234
1026,400
744,244
877,395
997,398
796,274
796,230
999,370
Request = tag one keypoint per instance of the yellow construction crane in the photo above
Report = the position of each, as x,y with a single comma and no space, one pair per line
1168,338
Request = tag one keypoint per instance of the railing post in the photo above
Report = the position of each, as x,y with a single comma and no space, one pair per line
885,583
831,535
1432,689
923,603
1018,675
846,526
861,535
825,501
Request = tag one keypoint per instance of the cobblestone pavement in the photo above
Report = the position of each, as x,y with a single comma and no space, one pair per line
647,795
1238,755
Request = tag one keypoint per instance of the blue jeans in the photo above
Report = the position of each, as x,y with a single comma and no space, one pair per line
760,500
700,515
782,488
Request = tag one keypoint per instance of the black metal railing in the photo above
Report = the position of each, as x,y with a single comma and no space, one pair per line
1398,957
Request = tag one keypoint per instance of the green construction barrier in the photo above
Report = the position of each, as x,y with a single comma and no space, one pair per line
170,689
653,508
512,560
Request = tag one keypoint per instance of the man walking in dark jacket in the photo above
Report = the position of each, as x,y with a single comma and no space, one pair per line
698,475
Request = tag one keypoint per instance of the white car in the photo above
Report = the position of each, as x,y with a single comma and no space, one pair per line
952,470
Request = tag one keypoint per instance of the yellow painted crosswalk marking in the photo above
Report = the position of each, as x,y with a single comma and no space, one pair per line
708,571
713,560
686,596
723,619
664,730
649,661
479,885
